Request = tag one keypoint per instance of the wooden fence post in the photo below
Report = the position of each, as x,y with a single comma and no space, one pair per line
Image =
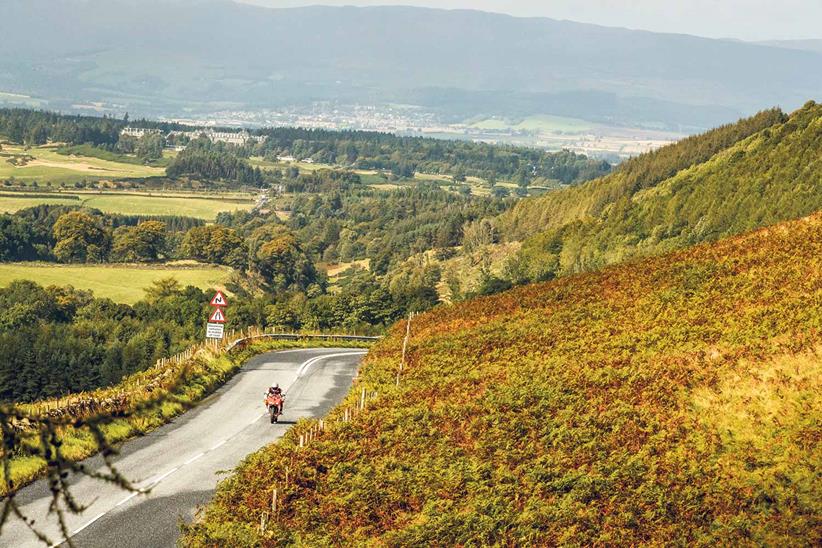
405,345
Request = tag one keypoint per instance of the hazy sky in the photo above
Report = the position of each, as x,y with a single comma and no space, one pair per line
743,19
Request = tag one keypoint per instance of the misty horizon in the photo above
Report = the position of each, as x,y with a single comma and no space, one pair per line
790,20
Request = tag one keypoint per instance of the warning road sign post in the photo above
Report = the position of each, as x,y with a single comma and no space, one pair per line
215,331
217,316
219,300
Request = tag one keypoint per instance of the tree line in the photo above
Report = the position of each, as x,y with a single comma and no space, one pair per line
214,161
404,155
74,234
400,155
57,340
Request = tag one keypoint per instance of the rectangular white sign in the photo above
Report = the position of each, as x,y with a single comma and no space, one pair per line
214,331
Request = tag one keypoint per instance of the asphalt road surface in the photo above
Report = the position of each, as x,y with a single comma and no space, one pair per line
184,460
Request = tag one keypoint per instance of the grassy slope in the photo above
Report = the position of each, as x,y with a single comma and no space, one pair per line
672,400
49,166
120,283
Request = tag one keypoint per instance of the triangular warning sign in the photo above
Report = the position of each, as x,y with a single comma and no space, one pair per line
219,300
217,316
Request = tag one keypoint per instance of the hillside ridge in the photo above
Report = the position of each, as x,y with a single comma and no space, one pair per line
761,171
644,171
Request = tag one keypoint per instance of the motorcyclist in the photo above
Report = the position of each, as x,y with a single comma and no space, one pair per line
277,391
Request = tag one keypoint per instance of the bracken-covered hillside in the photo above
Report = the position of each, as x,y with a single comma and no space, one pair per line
758,172
672,400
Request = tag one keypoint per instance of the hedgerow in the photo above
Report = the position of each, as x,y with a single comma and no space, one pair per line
674,400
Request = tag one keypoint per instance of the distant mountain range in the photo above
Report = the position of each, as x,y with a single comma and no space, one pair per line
806,45
172,57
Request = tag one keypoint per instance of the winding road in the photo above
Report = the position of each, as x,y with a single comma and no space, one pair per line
184,460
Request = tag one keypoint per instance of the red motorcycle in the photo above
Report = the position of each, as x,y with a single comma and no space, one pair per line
274,403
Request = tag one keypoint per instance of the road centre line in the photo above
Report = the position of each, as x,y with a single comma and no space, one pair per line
192,459
308,363
128,498
92,520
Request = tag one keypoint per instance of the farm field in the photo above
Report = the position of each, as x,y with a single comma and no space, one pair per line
45,165
186,205
538,123
120,283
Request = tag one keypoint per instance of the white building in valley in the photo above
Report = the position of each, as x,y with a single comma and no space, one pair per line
238,138
139,131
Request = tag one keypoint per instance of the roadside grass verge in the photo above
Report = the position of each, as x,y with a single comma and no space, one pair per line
137,405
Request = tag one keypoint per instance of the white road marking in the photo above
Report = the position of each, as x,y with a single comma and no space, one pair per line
192,459
308,363
300,372
92,520
128,498
156,482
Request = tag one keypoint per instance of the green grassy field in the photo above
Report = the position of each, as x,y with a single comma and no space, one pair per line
120,283
539,124
90,151
133,203
45,165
